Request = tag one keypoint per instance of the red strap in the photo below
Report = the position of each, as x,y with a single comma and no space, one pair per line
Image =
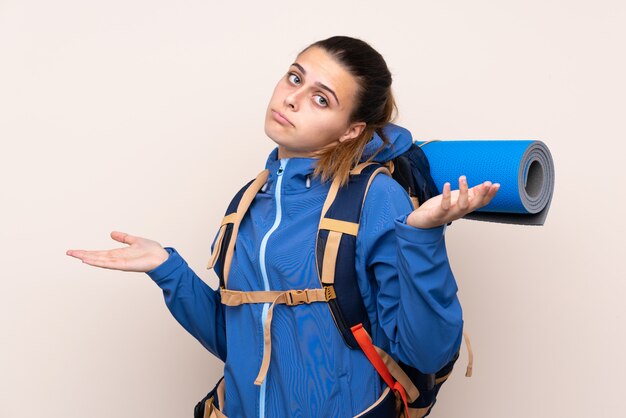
398,388
365,342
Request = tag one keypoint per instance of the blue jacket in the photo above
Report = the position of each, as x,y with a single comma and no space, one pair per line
404,277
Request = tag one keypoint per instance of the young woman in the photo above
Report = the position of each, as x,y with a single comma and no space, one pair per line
323,115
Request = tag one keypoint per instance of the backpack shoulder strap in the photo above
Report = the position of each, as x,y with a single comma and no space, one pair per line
412,171
229,227
336,248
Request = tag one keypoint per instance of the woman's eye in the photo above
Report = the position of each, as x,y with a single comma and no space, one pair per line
322,102
290,75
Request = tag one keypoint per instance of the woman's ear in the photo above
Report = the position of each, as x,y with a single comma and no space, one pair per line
353,131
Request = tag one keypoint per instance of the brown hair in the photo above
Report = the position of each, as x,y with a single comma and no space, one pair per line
374,103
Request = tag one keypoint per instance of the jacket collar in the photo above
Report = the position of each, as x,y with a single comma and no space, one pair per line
298,173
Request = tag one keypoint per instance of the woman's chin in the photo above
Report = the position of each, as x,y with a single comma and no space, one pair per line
271,133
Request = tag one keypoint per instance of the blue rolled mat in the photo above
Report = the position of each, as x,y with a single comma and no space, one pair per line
524,169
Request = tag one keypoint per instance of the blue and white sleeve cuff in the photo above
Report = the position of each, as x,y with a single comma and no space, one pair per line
173,262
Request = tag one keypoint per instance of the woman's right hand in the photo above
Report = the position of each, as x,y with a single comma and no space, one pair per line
142,255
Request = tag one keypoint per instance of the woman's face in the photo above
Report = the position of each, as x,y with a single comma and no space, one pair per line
315,99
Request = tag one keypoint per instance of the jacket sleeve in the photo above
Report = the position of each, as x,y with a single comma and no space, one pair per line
409,273
193,303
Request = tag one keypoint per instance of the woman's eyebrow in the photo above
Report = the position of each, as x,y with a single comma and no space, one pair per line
317,83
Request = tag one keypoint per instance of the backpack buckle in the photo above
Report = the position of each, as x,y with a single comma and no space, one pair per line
297,297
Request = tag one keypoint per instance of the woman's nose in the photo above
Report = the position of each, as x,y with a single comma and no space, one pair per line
292,100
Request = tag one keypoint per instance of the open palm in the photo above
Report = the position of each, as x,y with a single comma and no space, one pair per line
452,205
142,254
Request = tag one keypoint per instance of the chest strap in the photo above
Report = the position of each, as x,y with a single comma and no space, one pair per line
288,297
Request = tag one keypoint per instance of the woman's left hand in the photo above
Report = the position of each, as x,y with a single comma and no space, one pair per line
452,205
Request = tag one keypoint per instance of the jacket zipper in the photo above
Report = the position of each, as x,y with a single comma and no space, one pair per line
266,284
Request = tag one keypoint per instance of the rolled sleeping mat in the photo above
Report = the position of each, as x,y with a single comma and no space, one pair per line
524,169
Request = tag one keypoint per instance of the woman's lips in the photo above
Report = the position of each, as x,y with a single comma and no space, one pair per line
280,118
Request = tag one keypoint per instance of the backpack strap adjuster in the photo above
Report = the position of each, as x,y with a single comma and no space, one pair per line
329,290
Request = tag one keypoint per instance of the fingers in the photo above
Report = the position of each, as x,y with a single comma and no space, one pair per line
492,192
73,253
83,253
77,253
104,261
446,198
467,199
116,235
463,200
94,258
123,237
482,194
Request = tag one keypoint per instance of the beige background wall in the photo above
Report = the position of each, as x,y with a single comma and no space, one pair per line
146,116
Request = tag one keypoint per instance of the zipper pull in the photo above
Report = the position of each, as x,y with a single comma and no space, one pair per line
283,164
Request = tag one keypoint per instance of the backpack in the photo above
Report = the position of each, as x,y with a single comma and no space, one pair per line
335,253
